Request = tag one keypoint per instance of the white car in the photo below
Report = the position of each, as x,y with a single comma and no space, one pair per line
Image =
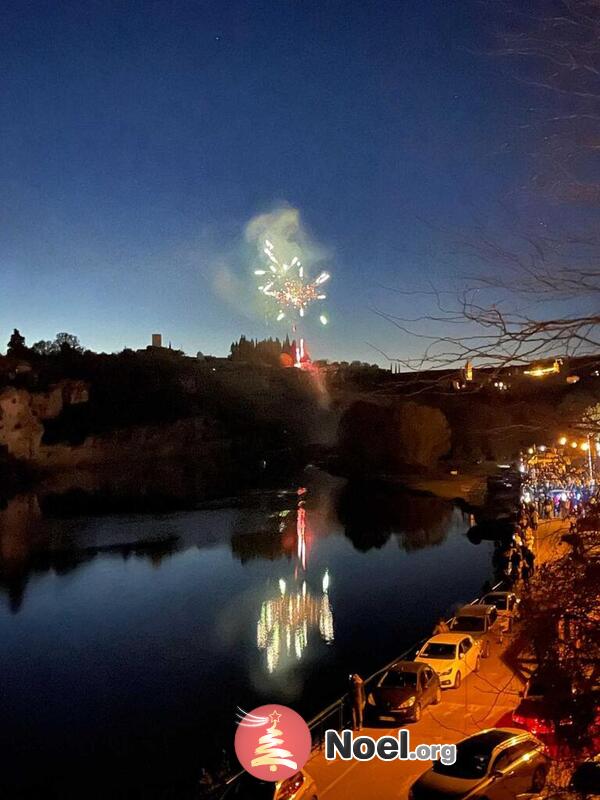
452,655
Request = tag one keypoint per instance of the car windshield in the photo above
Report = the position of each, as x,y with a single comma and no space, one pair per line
399,680
468,624
498,600
439,650
472,759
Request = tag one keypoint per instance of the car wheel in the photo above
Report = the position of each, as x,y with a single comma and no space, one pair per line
457,680
539,779
417,712
438,696
477,666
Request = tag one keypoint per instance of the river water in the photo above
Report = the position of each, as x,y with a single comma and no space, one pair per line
128,641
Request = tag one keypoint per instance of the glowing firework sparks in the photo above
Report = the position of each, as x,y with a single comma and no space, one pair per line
287,286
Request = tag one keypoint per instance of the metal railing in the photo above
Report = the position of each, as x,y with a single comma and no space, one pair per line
338,715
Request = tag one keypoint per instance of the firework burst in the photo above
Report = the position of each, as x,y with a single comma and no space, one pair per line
288,287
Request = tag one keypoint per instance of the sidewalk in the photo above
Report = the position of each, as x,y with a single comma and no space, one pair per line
484,700
548,545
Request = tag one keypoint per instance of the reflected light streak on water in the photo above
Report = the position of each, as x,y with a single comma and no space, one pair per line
282,631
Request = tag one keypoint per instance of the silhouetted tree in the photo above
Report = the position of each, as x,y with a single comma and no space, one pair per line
67,342
44,347
377,436
265,351
560,614
536,286
422,433
16,345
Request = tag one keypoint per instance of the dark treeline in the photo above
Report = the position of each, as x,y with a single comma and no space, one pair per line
378,423
241,398
273,352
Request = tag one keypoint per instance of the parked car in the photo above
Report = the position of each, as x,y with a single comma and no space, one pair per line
452,655
477,620
403,692
584,785
546,700
299,787
497,764
506,603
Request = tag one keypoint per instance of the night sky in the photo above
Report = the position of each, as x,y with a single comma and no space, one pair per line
139,138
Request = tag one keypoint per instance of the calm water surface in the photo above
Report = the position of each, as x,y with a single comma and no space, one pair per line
128,641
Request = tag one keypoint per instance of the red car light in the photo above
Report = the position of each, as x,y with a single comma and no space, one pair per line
289,788
534,724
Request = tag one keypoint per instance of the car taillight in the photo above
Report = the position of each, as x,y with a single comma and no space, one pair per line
289,787
534,724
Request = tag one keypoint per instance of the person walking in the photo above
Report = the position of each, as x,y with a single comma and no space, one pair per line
529,559
535,519
518,537
359,700
515,563
522,522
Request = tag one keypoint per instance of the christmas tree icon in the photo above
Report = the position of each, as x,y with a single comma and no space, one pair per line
269,753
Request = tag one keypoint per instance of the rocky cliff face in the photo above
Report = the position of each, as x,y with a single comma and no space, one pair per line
195,438
22,414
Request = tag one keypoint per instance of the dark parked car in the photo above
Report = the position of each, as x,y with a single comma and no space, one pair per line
403,692
477,620
546,701
496,764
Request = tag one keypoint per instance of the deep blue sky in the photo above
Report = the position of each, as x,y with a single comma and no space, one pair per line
138,138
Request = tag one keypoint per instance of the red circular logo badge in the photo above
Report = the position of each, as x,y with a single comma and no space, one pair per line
272,742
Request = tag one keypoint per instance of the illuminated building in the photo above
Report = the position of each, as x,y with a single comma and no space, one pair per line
540,370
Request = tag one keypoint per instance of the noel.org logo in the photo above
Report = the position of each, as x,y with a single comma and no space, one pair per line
272,742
